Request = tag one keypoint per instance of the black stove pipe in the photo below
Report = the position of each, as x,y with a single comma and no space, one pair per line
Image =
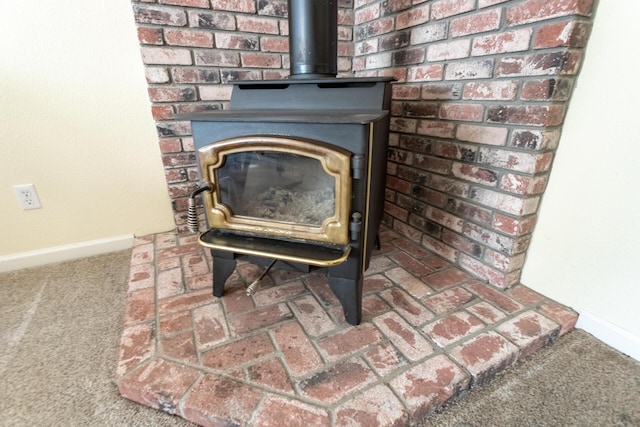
313,39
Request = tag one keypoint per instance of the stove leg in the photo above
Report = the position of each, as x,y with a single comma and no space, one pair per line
224,263
349,292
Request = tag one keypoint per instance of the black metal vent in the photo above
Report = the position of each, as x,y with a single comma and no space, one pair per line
313,38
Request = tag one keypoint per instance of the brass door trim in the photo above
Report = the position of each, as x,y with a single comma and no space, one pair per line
335,161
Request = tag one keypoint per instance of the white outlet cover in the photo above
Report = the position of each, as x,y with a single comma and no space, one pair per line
27,196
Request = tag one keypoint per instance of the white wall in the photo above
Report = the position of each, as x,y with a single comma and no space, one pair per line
585,251
75,121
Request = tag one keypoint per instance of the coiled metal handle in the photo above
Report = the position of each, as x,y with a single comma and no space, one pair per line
192,213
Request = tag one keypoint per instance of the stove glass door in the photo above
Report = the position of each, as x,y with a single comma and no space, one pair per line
277,186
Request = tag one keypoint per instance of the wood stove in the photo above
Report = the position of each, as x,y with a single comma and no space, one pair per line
295,170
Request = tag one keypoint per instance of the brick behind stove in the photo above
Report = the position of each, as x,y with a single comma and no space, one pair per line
483,88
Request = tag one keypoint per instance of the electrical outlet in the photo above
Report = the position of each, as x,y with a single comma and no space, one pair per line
27,196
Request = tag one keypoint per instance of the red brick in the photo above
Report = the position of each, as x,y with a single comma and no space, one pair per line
495,297
172,94
311,316
453,328
530,331
414,286
448,300
524,295
260,318
218,58
429,385
539,64
210,325
141,276
244,6
539,10
403,336
449,50
440,248
475,23
158,15
562,315
270,373
238,352
137,344
179,37
464,70
148,35
299,354
525,185
214,21
567,34
415,16
278,294
515,161
260,60
140,306
366,14
276,411
487,273
485,355
465,112
348,341
445,8
165,55
235,402
436,128
408,262
252,24
446,278
441,91
486,312
236,41
503,42
338,381
377,407
169,283
502,262
184,302
409,56
474,174
425,73
491,91
385,359
180,346
164,112
406,306
548,89
374,28
429,33
274,44
159,384
188,3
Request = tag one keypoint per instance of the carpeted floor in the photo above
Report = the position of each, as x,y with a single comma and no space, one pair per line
61,325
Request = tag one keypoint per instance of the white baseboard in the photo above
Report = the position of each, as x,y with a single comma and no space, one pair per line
612,335
65,252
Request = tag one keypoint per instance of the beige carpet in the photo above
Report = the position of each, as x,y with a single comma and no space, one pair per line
61,325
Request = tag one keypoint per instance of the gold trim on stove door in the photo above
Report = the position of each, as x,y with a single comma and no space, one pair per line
335,161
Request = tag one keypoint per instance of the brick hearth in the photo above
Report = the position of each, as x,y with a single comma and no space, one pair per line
285,356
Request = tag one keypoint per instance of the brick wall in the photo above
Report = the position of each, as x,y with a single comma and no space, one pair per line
483,88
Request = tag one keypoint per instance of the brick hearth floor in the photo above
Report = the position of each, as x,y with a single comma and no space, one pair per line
286,357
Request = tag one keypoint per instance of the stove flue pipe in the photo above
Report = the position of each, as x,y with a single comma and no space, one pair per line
313,38
192,214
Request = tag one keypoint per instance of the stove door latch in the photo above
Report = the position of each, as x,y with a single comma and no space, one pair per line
357,164
355,226
192,214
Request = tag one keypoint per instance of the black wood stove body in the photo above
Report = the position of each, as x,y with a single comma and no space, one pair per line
295,170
